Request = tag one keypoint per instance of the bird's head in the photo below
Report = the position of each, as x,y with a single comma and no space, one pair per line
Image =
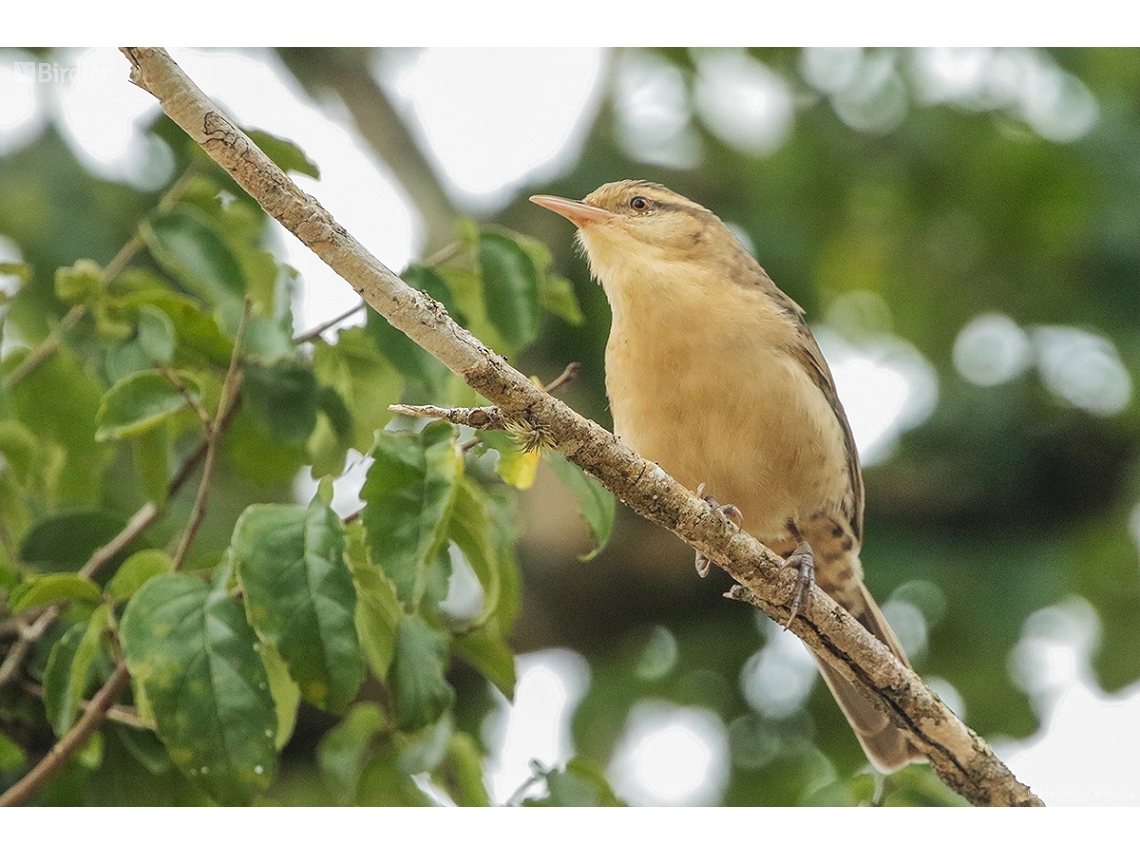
630,225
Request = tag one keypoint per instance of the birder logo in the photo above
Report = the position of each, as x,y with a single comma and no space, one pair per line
53,72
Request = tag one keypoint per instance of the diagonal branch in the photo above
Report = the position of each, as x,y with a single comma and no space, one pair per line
143,518
215,428
73,740
960,757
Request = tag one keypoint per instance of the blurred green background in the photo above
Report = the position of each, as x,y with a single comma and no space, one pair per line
963,230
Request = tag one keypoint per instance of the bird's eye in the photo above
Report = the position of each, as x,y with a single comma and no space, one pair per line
639,203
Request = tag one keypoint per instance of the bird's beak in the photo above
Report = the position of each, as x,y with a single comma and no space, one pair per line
579,213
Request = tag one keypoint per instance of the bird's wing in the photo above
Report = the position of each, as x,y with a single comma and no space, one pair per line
811,357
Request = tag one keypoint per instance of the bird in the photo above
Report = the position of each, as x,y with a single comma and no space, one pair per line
713,374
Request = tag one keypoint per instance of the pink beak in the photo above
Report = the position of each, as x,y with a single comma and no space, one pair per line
579,213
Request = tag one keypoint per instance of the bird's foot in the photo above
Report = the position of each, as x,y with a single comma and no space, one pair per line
730,512
803,560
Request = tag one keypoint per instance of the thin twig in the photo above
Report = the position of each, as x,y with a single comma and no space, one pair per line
213,441
143,518
486,418
568,375
222,422
480,418
118,713
46,348
195,403
318,331
30,635
20,792
122,258
445,254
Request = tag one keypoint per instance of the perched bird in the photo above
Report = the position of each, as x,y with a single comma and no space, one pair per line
712,373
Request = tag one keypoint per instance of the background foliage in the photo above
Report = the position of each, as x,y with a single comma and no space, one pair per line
300,658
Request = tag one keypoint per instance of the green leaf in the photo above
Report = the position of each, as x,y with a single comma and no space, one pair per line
378,610
9,578
332,405
11,755
363,377
300,598
332,437
420,367
286,693
409,491
556,293
384,784
145,747
417,679
191,650
150,452
469,528
461,773
57,402
139,403
156,336
30,470
14,516
558,298
345,750
467,286
580,784
195,329
486,651
63,542
90,754
502,507
71,668
425,749
154,341
20,451
282,397
135,571
52,588
257,455
78,283
510,288
595,503
285,153
515,466
186,245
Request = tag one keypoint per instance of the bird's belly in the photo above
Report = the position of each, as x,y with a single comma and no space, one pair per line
756,432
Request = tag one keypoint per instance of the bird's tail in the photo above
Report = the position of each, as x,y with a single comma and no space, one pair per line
886,746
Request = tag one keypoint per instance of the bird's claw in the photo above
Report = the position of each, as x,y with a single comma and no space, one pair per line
729,512
803,560
702,563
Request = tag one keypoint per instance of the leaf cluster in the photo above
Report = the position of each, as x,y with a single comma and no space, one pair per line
282,609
